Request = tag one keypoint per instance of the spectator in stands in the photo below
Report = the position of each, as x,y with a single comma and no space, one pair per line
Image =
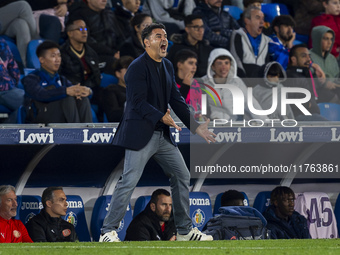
237,3
185,69
48,225
171,16
283,221
323,38
10,96
147,110
51,98
218,24
301,69
79,62
50,17
155,222
123,14
102,31
133,46
193,40
246,4
249,45
221,72
232,198
307,10
12,231
273,76
114,95
331,19
283,38
17,22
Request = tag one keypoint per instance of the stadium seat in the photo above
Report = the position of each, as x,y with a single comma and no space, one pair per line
330,111
217,204
270,11
29,206
4,112
140,204
31,57
76,215
234,11
99,212
262,201
318,210
108,79
200,208
337,213
15,51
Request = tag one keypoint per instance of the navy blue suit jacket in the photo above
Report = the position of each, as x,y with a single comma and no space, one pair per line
141,113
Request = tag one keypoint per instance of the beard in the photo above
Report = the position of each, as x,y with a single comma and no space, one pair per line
285,37
162,216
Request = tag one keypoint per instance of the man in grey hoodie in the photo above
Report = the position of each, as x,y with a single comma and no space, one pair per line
323,40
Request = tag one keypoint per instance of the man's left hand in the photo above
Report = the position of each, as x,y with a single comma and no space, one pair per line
203,131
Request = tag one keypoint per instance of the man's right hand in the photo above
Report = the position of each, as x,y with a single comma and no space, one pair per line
74,91
167,120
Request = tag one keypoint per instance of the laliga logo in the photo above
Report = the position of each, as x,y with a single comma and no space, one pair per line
238,99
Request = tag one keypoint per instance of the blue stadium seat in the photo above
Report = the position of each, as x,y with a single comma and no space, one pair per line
140,204
15,51
337,212
4,111
302,38
217,204
28,206
262,201
234,11
283,9
330,111
108,79
31,57
200,208
76,215
99,212
272,10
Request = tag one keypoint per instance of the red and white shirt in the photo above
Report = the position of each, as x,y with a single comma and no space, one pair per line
13,231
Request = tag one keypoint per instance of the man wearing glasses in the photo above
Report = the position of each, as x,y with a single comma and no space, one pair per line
79,62
193,40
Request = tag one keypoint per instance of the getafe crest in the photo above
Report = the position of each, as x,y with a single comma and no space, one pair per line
71,217
198,218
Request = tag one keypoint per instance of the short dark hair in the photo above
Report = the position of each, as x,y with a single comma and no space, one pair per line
222,57
148,30
275,69
156,193
138,19
183,54
70,22
188,19
283,20
44,46
246,3
48,194
122,62
292,52
229,197
279,192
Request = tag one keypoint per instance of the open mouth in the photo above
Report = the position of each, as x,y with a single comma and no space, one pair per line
163,47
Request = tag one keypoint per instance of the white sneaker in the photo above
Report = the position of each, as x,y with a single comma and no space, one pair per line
194,235
109,237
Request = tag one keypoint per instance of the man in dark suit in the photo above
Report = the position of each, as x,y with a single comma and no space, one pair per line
144,133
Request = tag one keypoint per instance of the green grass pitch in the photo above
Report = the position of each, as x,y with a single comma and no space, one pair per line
263,247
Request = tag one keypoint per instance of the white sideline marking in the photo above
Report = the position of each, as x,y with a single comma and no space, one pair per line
164,247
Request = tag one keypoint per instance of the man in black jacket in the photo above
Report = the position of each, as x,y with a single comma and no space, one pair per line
155,222
102,30
79,62
193,40
48,226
